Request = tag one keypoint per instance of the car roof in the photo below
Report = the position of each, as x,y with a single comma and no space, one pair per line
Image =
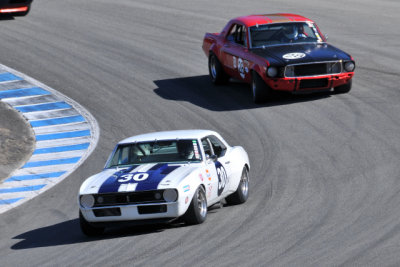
168,135
253,20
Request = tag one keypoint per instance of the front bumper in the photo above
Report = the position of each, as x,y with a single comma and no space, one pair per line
304,84
135,212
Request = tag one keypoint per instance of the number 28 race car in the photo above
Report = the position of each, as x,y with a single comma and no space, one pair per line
284,52
15,7
161,176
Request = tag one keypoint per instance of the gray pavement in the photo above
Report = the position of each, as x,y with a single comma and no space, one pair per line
325,169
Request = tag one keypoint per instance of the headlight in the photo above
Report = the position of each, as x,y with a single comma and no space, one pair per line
349,66
272,72
170,195
87,201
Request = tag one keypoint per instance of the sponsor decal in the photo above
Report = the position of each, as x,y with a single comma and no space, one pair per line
186,200
201,177
208,175
196,149
130,180
222,177
294,55
186,188
234,62
209,191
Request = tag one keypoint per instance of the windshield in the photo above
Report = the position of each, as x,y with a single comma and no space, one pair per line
165,151
283,33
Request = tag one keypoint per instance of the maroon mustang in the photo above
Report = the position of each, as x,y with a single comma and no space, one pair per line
284,52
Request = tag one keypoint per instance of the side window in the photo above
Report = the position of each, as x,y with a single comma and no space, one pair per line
237,35
206,147
232,33
218,147
241,37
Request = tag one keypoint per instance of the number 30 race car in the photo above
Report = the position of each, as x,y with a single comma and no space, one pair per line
284,52
162,176
15,7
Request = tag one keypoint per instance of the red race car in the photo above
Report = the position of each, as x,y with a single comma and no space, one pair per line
284,52
15,7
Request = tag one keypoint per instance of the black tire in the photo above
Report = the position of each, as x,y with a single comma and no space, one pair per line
87,228
261,91
345,88
217,73
242,192
197,211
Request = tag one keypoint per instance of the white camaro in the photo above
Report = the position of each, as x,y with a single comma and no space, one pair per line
161,176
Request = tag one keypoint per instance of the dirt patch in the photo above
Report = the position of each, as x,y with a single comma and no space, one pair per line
17,140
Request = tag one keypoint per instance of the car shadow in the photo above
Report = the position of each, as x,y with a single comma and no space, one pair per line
6,17
69,232
235,95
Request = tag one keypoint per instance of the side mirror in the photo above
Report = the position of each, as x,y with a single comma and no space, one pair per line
212,157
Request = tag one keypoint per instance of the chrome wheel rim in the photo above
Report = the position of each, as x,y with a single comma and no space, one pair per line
213,68
244,184
201,204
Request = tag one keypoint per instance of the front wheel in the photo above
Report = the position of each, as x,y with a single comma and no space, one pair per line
217,73
242,192
89,229
261,91
345,88
197,211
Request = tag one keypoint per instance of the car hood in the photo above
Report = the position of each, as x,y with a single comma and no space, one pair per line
138,178
311,52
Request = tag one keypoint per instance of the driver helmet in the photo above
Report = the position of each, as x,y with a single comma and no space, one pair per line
290,31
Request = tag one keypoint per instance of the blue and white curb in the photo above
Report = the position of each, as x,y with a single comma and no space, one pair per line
66,134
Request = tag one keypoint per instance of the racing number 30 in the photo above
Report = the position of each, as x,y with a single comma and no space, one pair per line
135,177
222,179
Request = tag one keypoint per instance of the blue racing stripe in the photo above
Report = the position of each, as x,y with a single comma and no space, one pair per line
155,175
21,189
51,162
9,77
10,201
34,176
23,92
43,107
64,120
61,148
43,137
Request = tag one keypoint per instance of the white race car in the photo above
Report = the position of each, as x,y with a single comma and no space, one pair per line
162,176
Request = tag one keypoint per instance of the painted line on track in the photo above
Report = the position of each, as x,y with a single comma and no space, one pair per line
66,134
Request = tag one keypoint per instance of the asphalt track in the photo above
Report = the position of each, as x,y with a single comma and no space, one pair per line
325,188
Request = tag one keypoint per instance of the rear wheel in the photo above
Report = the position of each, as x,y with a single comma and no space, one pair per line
345,88
87,228
242,192
197,211
260,90
217,73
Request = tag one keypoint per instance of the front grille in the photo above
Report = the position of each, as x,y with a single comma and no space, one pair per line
313,69
118,199
313,83
152,209
107,212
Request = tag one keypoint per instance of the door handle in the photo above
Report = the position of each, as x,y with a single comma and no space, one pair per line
227,162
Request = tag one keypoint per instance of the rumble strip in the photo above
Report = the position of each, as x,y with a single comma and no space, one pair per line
66,134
